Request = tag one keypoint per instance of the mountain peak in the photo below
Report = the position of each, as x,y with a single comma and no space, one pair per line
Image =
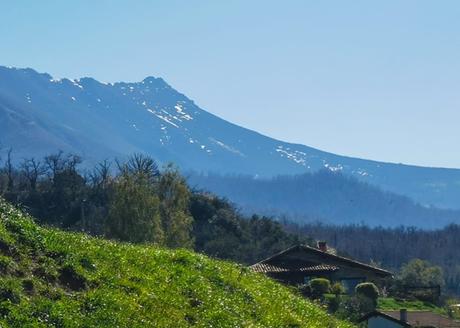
101,121
158,81
29,72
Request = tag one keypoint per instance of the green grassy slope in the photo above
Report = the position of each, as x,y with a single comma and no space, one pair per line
54,278
392,304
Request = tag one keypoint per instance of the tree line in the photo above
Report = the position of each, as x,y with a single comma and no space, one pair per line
136,201
393,248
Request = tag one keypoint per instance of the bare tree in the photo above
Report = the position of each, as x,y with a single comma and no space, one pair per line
71,162
55,163
101,174
32,170
9,169
140,165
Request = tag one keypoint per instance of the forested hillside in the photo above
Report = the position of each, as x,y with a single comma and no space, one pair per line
323,196
51,278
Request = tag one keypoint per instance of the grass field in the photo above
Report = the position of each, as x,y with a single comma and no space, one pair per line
389,303
51,278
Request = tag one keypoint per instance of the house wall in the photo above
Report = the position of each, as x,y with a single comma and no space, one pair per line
296,278
350,277
380,322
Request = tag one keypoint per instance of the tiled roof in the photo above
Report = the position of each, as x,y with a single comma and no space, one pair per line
336,258
425,319
267,268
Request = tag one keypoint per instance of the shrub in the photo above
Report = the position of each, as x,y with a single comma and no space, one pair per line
421,273
305,290
10,291
5,263
367,289
333,303
337,288
319,287
28,285
354,307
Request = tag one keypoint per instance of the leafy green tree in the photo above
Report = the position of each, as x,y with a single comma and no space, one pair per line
134,210
174,196
421,273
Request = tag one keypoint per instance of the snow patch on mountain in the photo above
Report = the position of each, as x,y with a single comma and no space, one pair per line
180,110
333,168
226,147
296,156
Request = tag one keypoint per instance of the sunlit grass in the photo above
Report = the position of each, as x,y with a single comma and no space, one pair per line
55,278
390,303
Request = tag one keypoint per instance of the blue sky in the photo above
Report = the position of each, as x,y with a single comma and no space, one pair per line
372,79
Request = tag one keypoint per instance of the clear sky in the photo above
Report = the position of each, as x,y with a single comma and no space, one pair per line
372,79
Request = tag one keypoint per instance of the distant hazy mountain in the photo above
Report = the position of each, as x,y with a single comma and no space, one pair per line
324,196
39,115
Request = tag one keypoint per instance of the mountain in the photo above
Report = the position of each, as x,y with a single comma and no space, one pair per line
39,114
324,196
51,278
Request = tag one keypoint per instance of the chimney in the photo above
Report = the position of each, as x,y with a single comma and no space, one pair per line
403,315
322,246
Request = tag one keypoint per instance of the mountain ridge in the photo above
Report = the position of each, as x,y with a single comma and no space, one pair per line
40,114
307,198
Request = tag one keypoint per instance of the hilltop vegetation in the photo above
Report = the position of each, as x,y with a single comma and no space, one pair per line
135,201
52,278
